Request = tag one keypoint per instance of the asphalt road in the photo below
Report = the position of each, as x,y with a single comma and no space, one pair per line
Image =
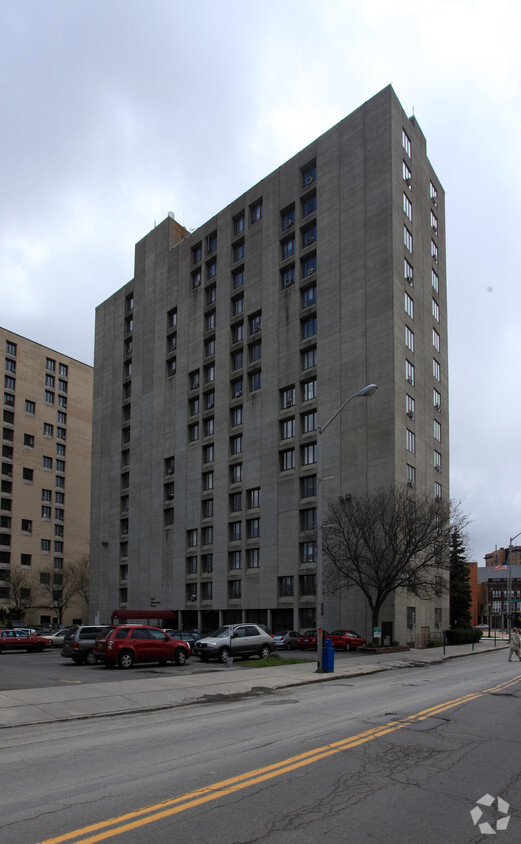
401,756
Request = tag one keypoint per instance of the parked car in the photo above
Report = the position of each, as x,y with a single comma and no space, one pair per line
79,641
242,640
266,629
185,635
17,640
346,639
287,639
125,644
308,639
29,630
55,637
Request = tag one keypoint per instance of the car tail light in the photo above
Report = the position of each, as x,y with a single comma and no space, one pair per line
75,646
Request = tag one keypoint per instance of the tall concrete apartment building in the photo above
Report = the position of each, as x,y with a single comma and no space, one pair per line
215,364
45,496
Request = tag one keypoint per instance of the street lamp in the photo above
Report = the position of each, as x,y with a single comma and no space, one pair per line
369,390
509,583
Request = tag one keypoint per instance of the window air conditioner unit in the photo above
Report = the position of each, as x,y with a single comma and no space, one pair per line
125,507
309,179
410,280
435,201
408,182
209,570
438,467
410,414
437,407
311,270
409,379
411,484
289,403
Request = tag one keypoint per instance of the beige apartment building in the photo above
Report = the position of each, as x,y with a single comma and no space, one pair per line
45,479
215,365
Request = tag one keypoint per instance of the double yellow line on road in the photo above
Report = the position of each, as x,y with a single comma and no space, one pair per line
150,814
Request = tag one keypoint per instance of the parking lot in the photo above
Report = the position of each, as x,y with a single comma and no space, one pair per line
42,670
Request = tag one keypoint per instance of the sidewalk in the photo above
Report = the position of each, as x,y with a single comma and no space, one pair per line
63,703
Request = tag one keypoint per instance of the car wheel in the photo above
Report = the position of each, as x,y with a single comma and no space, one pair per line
265,652
180,656
288,646
347,647
126,660
90,658
224,655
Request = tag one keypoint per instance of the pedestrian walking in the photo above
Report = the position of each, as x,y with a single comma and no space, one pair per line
515,644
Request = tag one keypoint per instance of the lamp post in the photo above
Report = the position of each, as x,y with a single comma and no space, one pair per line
509,584
369,390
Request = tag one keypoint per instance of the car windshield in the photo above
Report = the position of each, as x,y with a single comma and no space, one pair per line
221,633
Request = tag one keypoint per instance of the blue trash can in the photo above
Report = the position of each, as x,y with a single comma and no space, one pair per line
328,657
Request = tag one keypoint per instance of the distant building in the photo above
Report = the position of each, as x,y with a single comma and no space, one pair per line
216,363
46,445
494,602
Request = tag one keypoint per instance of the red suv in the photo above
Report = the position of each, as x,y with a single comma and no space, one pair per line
129,643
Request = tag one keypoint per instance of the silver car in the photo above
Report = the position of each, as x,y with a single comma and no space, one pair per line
287,639
242,640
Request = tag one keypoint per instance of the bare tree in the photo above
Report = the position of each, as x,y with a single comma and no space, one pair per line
387,541
80,571
20,600
58,587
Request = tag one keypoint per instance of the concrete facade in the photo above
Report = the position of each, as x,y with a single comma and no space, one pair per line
46,446
213,365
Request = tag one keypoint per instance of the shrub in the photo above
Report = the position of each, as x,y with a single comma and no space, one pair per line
462,636
434,643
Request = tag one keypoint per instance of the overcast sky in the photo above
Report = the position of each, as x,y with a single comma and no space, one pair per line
115,112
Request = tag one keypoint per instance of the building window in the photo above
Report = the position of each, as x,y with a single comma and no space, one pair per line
435,310
287,277
209,347
287,397
256,211
435,281
410,441
196,278
47,462
409,372
407,207
209,400
207,535
255,352
236,416
308,518
309,327
239,223
235,531
253,558
48,429
193,380
408,272
207,587
10,348
308,486
27,474
208,426
406,142
237,306
407,239
191,565
436,399
28,440
61,433
437,490
255,322
171,318
236,473
309,204
407,175
434,222
253,528
209,373
309,422
235,502
27,525
288,218
409,405
255,381
50,364
191,538
234,560
46,511
238,251
234,589
309,265
308,584
237,332
287,459
209,321
211,242
434,251
207,481
60,465
193,406
238,279
309,389
409,338
236,444
285,587
309,454
208,453
211,269
30,406
237,388
433,193
411,475
288,248
197,253
437,430
435,339
309,358
409,305
436,369
309,235
9,382
10,365
9,400
309,174
253,498
287,428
